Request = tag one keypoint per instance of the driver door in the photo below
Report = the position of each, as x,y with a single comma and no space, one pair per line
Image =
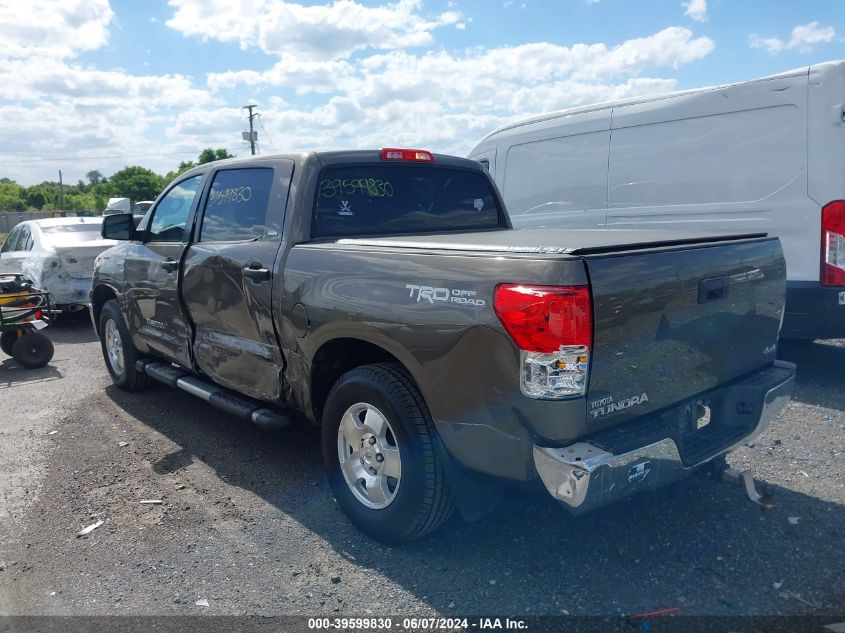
152,272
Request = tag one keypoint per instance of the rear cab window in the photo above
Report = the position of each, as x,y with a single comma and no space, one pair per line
403,199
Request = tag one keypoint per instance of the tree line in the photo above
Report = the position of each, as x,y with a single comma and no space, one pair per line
135,182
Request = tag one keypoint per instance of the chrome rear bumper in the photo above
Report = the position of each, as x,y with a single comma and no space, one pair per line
585,476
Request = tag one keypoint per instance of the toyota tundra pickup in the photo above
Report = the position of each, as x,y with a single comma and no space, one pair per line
385,297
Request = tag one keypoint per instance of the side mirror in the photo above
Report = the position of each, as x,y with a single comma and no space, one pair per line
119,226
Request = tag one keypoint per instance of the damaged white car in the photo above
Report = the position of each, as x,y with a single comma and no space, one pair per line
56,255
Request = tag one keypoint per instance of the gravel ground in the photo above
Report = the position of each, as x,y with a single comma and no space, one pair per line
248,523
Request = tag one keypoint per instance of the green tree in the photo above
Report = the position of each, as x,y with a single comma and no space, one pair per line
209,155
136,183
184,166
94,177
35,198
12,196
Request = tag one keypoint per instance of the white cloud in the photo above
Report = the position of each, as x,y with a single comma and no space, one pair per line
696,10
394,97
52,29
52,106
338,74
324,31
441,74
802,39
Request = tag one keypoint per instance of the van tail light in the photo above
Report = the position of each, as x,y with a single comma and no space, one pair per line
553,328
833,244
415,155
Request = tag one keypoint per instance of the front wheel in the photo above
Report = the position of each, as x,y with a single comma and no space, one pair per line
119,352
32,350
381,454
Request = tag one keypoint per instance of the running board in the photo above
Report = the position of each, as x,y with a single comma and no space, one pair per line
233,403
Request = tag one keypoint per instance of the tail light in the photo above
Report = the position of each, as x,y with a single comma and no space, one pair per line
416,155
833,244
553,328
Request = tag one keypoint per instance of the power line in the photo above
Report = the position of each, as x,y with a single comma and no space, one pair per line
269,140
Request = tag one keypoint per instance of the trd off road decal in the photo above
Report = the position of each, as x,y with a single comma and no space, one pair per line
444,295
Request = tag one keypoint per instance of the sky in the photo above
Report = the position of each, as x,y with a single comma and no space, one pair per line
102,84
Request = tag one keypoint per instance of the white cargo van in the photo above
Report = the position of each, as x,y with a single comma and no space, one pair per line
760,156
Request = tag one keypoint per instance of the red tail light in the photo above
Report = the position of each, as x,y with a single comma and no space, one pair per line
545,318
417,155
833,244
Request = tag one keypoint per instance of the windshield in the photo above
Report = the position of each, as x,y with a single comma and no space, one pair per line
401,199
72,233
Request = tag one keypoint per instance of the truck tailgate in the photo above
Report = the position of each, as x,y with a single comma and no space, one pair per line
676,320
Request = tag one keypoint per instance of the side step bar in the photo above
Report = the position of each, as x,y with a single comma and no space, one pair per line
233,403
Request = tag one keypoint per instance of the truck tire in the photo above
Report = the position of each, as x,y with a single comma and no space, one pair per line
32,350
118,351
377,430
7,339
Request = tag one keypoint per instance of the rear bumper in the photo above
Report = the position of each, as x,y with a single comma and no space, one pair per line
600,470
813,311
69,291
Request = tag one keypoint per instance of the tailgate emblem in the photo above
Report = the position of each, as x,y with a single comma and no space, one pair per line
639,472
842,298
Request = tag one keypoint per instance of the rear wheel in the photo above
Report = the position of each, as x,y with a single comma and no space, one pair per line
7,339
32,350
119,352
381,455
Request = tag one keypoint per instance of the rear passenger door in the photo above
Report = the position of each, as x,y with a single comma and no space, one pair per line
227,283
151,274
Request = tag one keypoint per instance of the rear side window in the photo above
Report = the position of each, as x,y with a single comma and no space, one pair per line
10,245
237,205
400,199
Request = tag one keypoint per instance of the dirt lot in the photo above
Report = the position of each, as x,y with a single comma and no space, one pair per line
248,522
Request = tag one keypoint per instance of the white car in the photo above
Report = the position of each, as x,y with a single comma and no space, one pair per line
56,255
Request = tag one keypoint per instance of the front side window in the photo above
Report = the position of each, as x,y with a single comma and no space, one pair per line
402,199
171,214
237,205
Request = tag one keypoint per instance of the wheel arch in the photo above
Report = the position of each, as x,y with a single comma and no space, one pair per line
337,356
99,296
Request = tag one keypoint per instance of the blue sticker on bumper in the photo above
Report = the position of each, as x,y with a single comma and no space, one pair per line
639,472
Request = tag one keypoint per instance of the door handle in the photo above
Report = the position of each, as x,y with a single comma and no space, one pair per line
256,272
170,265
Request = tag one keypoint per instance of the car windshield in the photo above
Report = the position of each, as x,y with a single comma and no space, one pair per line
402,199
71,233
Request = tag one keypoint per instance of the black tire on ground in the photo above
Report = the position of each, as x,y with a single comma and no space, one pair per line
7,339
422,501
123,373
33,350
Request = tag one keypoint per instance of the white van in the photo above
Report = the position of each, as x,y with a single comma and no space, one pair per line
760,156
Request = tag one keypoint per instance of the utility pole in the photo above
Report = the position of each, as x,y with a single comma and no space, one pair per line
252,135
61,194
